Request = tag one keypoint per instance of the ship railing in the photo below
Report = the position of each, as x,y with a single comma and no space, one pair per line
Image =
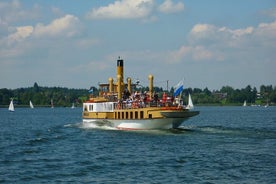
141,104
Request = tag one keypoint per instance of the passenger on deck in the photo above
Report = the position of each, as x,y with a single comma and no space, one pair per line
164,98
155,98
126,94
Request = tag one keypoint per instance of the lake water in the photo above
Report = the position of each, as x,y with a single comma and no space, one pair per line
221,145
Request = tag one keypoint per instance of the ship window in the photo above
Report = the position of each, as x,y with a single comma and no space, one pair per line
90,107
141,114
119,117
123,115
136,114
131,115
150,116
126,115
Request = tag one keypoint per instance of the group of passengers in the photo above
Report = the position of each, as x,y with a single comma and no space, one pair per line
139,100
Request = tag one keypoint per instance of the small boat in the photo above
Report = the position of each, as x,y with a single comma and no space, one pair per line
119,106
244,103
11,106
31,105
190,103
73,106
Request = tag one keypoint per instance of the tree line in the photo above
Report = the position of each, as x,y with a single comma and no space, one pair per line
61,96
229,96
42,96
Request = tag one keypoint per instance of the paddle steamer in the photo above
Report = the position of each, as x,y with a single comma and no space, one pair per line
118,106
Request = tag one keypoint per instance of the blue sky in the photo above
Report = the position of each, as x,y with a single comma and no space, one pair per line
75,44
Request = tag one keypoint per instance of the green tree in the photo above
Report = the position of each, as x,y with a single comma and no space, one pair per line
36,87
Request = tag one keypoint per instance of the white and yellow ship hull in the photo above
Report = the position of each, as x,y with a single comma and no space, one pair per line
135,119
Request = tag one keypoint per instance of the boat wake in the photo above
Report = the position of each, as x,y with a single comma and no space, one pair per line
95,125
189,129
230,131
71,125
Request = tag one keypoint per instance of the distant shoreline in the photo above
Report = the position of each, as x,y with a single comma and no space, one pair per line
37,106
197,105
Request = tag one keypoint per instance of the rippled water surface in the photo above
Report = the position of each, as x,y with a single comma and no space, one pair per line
221,145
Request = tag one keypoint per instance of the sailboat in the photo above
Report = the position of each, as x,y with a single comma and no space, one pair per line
73,106
31,105
244,103
267,104
52,103
11,106
190,103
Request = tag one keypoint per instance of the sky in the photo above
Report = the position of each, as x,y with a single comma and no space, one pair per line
75,44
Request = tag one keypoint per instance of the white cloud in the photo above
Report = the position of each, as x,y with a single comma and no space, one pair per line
208,42
207,34
242,32
11,11
267,30
270,12
15,41
67,25
204,34
134,9
13,44
265,38
222,43
224,35
201,53
169,7
200,28
21,33
125,9
188,53
177,56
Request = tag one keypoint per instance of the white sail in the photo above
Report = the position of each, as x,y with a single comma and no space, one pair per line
52,103
31,105
190,103
244,103
73,106
11,107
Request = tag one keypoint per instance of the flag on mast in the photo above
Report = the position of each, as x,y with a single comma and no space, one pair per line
178,88
90,90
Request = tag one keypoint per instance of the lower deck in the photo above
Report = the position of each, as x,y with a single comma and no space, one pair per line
141,113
